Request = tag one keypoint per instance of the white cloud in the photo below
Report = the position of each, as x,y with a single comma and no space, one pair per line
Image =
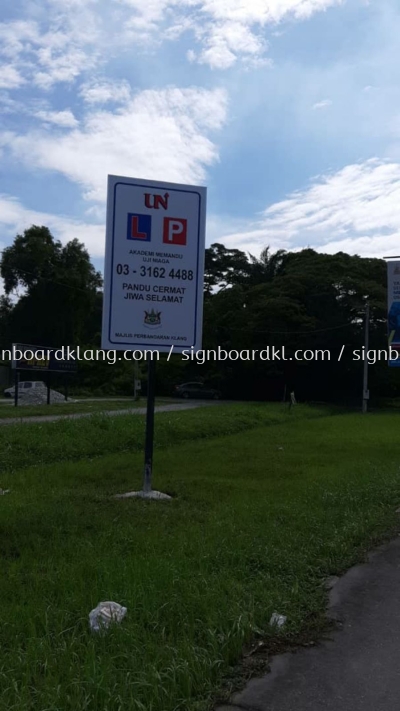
220,227
58,41
16,36
61,67
377,245
64,119
322,104
15,218
226,29
227,40
56,46
248,12
104,91
356,210
159,134
263,11
10,78
148,15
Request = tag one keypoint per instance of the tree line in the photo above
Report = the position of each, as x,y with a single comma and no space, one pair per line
302,300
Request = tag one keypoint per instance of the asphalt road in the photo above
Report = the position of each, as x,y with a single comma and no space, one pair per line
10,401
358,669
112,413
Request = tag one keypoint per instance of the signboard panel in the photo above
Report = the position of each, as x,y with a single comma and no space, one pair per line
41,358
394,310
154,265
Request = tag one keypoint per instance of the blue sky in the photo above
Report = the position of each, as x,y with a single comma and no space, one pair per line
287,110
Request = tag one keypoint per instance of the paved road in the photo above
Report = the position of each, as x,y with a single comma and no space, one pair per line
10,400
112,413
358,669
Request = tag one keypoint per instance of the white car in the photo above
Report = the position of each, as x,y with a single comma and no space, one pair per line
24,386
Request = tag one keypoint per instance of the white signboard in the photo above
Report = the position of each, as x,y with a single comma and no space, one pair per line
154,265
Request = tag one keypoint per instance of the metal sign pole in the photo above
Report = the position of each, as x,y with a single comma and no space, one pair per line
149,442
147,491
365,374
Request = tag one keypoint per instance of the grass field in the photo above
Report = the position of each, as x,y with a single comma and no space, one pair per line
9,411
267,504
40,443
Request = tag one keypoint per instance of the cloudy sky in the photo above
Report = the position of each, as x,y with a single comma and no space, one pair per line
287,110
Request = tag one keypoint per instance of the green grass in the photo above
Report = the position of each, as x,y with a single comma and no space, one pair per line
9,411
260,517
45,442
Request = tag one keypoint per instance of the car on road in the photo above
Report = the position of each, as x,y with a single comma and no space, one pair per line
196,390
24,386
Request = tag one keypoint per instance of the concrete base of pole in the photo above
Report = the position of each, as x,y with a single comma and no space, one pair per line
157,495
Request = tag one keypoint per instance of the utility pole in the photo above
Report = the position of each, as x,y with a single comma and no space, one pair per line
366,347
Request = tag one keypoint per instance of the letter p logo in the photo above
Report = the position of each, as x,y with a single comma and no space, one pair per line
175,230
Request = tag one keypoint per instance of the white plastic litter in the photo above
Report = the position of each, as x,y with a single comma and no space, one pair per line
277,620
105,614
4,491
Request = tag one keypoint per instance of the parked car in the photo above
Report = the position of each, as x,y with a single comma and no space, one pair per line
23,386
196,390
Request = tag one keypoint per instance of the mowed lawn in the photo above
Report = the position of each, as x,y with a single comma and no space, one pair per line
266,505
71,407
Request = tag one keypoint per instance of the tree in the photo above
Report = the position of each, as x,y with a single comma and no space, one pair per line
304,301
58,290
224,267
267,266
